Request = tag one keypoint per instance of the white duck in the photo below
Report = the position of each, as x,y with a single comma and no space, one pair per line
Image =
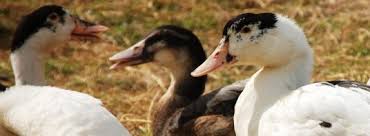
27,110
274,103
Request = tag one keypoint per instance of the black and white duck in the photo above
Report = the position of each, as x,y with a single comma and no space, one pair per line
279,100
31,109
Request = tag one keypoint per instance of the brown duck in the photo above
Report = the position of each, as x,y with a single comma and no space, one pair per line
183,110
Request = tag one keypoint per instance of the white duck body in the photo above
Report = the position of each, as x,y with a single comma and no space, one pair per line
346,109
272,103
50,111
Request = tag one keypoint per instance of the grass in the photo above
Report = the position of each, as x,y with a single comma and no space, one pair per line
338,30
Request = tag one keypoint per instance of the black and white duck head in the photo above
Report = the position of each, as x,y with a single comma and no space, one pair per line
41,30
265,39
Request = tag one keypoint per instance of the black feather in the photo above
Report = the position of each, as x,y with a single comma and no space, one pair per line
2,87
265,21
348,84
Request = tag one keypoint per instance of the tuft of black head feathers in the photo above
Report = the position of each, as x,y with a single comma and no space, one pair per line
265,21
32,22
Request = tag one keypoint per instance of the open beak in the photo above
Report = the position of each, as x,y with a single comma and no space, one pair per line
86,29
218,58
131,56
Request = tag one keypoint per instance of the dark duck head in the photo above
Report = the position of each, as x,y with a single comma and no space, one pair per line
173,47
180,51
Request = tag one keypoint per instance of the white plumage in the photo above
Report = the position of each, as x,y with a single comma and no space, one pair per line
51,111
300,113
273,102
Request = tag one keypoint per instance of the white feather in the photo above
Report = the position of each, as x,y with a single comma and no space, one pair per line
46,111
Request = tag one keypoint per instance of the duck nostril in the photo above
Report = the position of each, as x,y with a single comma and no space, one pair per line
217,53
325,124
229,58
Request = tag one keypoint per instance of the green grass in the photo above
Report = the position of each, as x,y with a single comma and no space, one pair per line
337,30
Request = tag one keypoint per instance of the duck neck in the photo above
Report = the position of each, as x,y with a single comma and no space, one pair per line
185,86
270,84
183,90
27,64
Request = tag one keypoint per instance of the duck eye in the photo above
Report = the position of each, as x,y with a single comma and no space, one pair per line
245,30
53,16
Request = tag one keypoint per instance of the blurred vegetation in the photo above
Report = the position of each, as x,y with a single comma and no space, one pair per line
338,30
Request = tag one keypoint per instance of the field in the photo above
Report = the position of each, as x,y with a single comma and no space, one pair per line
338,30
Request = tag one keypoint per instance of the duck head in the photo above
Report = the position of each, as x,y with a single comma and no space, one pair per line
50,25
171,46
38,33
264,39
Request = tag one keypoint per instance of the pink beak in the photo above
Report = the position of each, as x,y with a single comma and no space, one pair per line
87,29
130,56
217,59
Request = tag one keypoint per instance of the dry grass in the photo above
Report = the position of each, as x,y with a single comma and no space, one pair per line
338,30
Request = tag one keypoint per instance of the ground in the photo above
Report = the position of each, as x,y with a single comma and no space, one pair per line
338,30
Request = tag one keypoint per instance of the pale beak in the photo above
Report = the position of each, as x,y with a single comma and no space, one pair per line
87,29
131,56
217,59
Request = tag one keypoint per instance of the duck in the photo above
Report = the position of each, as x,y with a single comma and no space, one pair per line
183,109
279,100
31,108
